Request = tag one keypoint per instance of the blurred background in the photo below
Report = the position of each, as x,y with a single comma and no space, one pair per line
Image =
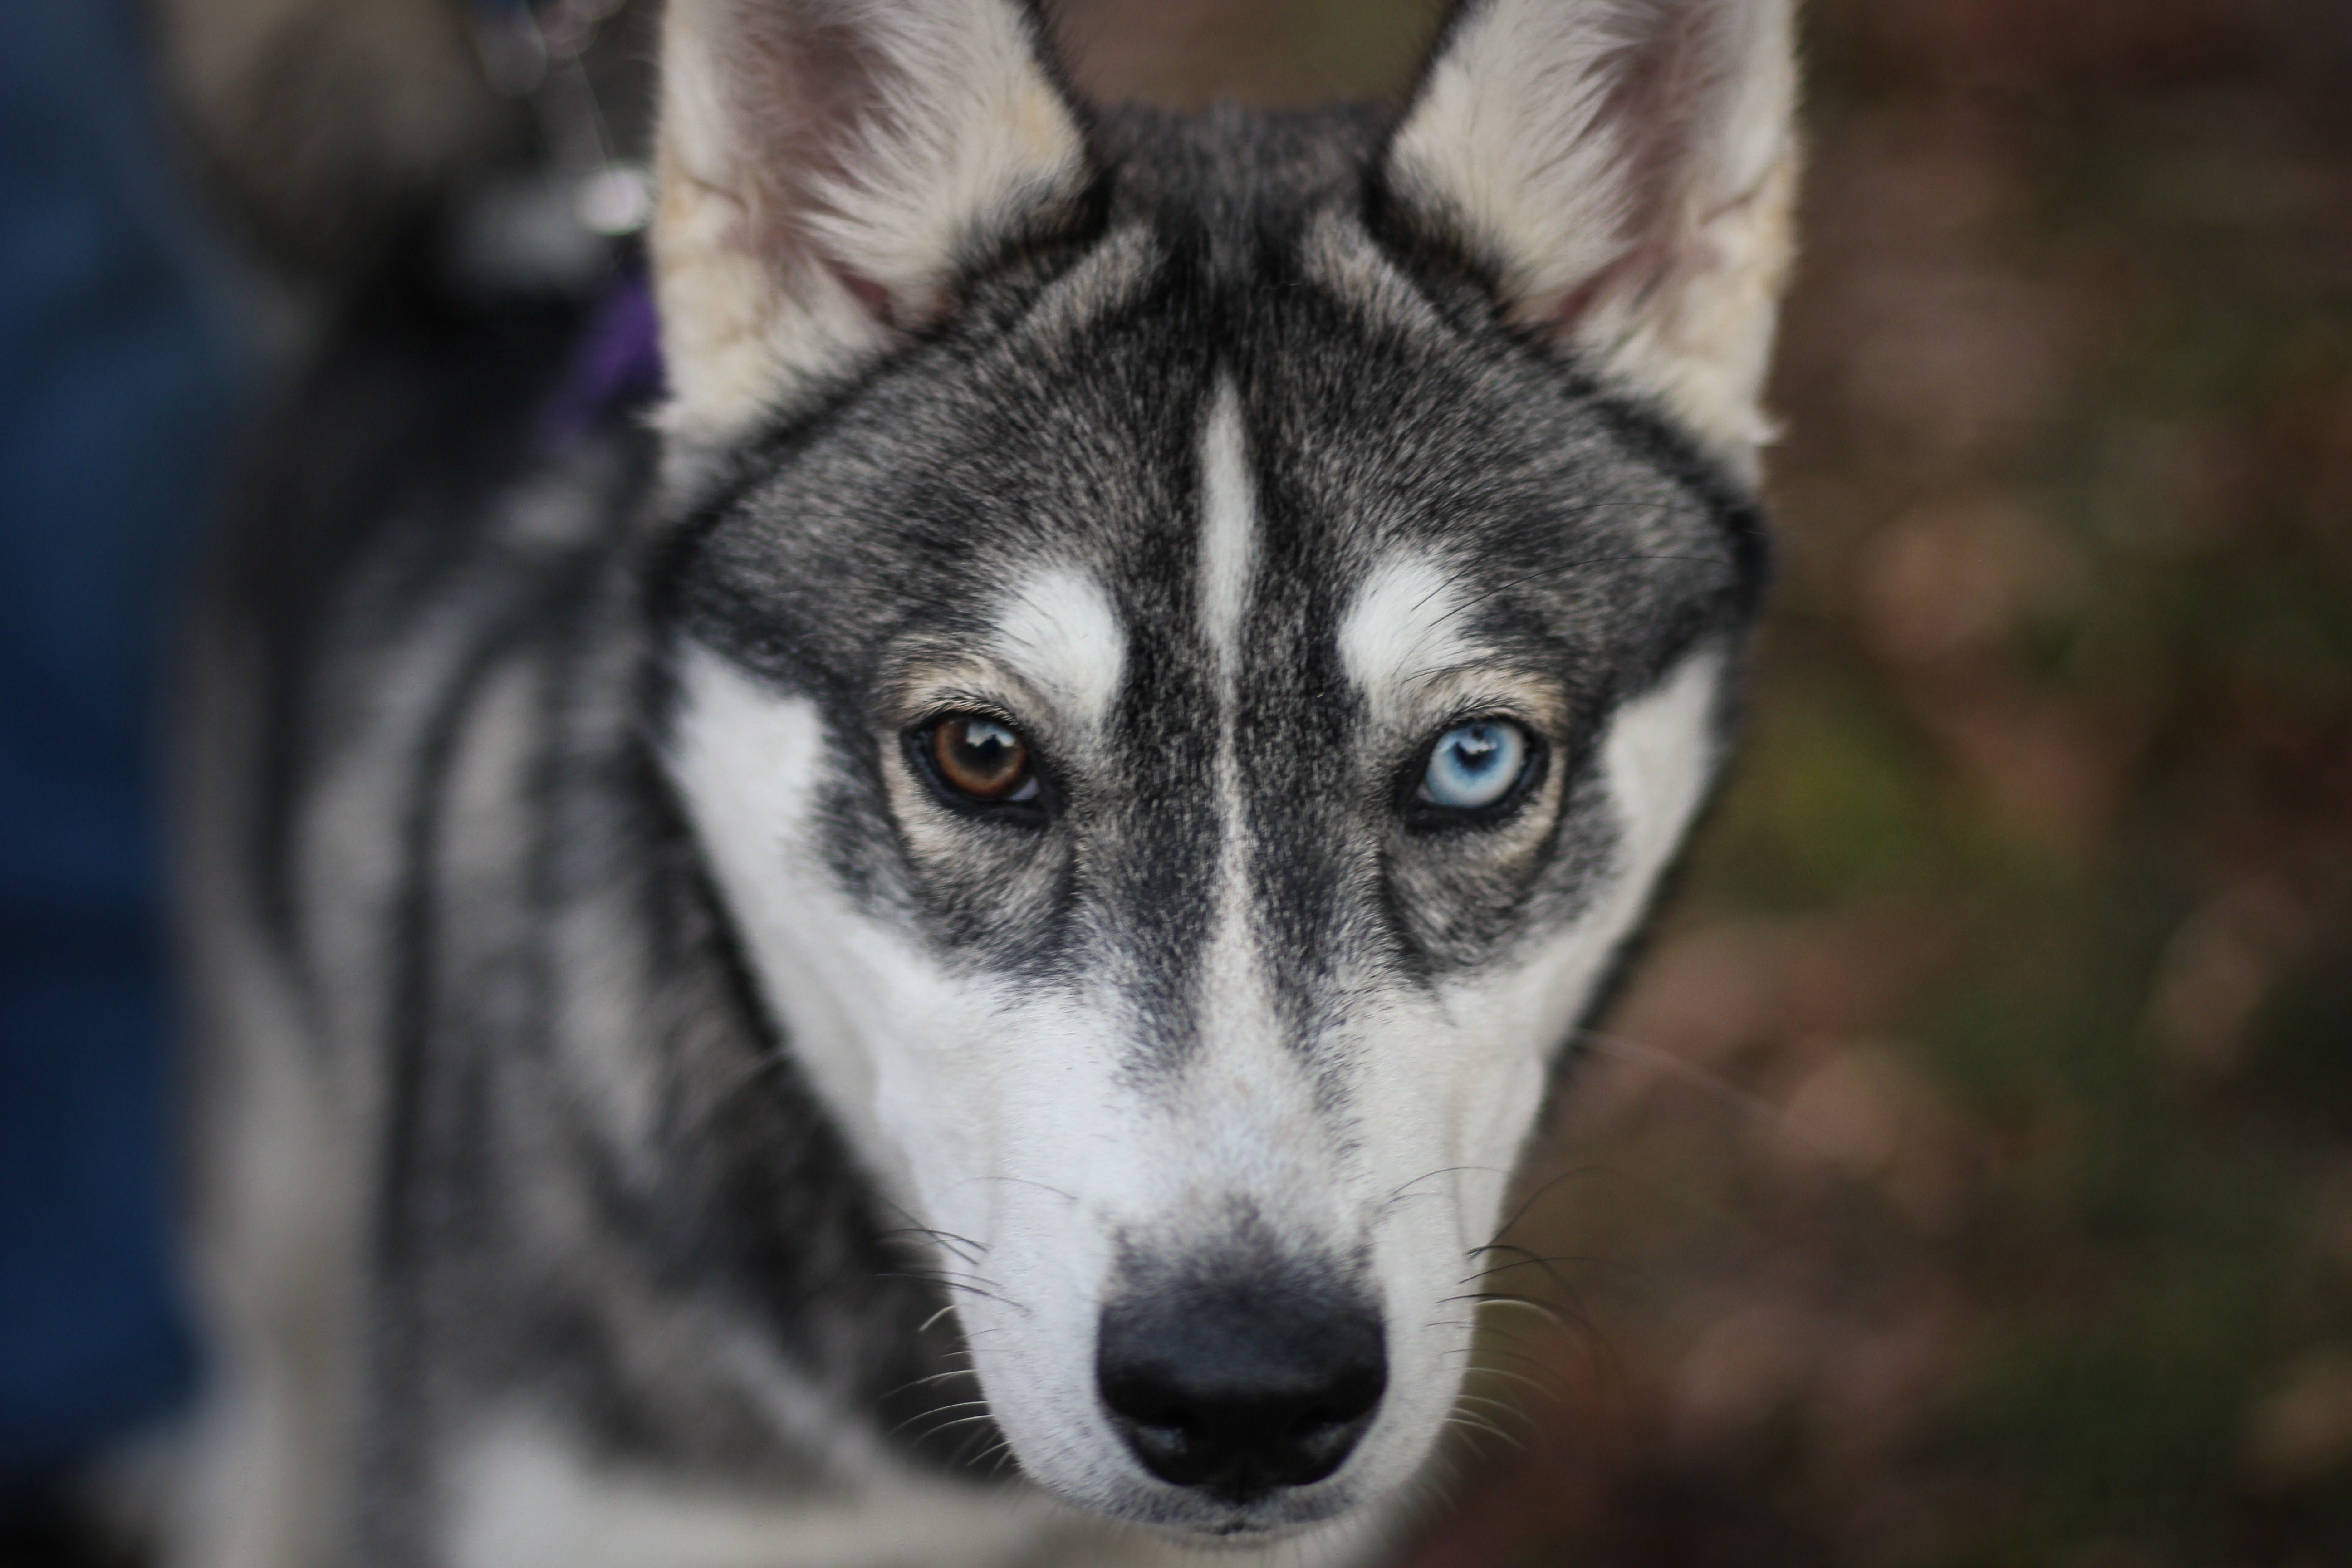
1966,1179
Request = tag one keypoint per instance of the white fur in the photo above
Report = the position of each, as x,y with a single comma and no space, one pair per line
757,262
525,1496
1229,528
1405,626
1062,634
1660,756
970,120
275,1272
1521,135
1247,1088
1008,1115
751,763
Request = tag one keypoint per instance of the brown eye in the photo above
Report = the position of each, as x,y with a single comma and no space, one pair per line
984,759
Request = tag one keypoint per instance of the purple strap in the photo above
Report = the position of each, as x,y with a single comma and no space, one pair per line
616,366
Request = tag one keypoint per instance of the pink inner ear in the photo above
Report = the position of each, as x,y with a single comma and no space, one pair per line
1664,105
897,312
872,295
1564,316
810,81
803,85
1668,95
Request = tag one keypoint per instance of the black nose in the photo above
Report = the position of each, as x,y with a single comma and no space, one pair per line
1236,1388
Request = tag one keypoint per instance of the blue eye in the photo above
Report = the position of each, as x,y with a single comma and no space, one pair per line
1474,765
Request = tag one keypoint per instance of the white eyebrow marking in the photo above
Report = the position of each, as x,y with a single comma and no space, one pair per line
1228,529
1406,623
1059,631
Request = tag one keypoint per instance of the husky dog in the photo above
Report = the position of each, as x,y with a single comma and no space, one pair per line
1002,893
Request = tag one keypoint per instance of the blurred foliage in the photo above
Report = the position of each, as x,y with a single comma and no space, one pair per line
1966,1179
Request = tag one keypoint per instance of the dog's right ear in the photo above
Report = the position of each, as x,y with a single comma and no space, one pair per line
1625,172
825,168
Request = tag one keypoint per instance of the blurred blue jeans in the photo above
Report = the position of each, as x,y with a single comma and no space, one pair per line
119,387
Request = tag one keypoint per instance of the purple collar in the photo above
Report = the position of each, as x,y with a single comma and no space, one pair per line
616,366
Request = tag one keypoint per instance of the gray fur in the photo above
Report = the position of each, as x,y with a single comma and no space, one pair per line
570,1166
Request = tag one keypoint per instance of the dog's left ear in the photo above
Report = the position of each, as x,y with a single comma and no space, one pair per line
1625,172
827,167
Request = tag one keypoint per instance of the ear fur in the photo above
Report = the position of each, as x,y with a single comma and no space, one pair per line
825,167
1627,169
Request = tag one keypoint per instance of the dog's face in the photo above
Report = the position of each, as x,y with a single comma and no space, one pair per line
1183,735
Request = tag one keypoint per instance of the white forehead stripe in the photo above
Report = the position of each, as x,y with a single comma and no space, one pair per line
1059,632
1236,1019
1228,528
1406,623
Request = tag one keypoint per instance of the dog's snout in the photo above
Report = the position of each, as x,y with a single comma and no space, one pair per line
1236,1390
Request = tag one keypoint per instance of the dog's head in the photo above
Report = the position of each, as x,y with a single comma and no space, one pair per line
1194,643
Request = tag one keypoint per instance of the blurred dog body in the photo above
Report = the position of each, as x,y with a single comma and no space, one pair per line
332,127
1009,888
